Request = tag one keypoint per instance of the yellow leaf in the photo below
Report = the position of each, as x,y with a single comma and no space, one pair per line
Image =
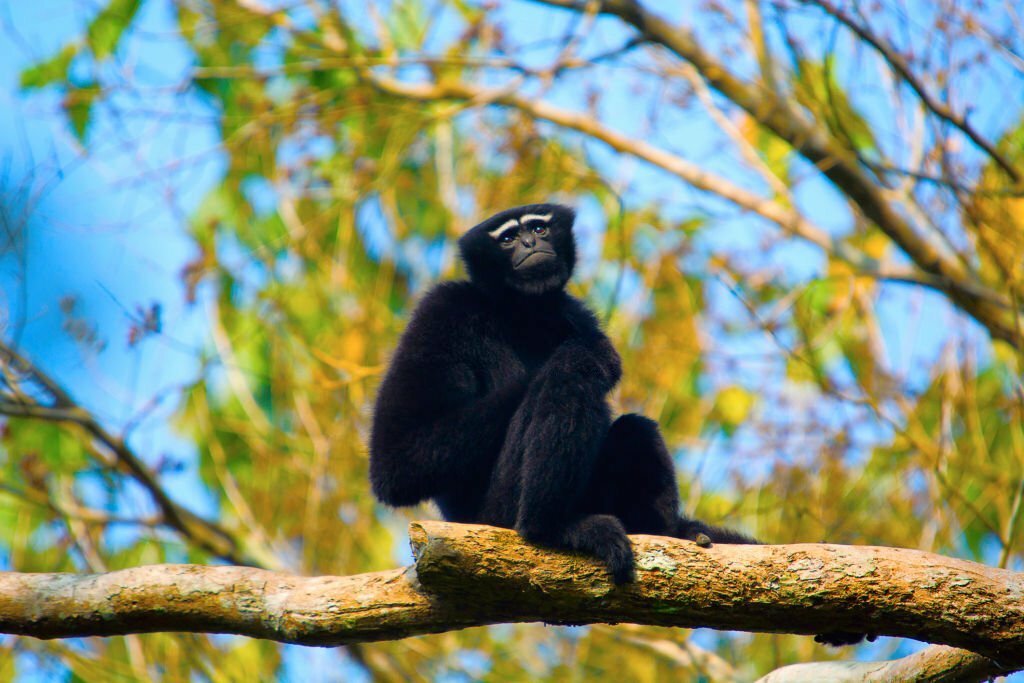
733,405
876,244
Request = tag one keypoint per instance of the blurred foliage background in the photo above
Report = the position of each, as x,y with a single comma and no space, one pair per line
801,221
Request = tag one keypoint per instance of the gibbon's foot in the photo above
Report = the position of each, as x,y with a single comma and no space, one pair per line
603,536
600,536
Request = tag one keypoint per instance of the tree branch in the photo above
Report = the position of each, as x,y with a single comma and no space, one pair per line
63,409
787,218
938,664
832,159
903,70
471,575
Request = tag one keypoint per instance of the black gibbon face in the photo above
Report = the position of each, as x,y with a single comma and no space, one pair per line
528,239
529,249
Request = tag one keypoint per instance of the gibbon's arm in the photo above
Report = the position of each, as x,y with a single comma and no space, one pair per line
589,361
568,418
432,430
587,356
560,444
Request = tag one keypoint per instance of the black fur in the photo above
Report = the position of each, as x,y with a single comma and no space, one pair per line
494,407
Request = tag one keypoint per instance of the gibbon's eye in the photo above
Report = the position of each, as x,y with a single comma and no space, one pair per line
507,237
540,229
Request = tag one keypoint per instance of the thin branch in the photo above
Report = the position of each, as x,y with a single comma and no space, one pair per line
835,161
902,69
69,508
203,533
745,148
786,218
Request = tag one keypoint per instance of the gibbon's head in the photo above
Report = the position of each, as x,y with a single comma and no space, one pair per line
529,249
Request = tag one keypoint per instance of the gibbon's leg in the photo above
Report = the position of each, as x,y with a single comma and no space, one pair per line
552,444
538,481
501,499
634,480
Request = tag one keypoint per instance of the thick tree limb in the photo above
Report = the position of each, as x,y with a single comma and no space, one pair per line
469,575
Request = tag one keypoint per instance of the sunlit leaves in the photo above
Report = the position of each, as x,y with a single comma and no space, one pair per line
732,407
999,219
78,103
668,390
37,461
777,155
105,30
49,71
406,24
817,88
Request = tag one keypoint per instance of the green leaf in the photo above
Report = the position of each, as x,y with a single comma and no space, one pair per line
77,105
105,30
53,70
819,91
219,206
407,24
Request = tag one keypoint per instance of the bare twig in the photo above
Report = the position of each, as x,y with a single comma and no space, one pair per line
903,70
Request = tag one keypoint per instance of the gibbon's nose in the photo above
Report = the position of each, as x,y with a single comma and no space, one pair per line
528,239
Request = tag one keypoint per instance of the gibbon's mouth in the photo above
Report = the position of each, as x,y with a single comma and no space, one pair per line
546,253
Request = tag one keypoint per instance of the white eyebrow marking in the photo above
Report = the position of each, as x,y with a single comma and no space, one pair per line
507,224
535,217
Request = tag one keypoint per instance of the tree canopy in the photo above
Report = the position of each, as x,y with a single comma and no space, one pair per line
801,222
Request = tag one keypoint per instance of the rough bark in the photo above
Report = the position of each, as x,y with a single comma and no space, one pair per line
468,575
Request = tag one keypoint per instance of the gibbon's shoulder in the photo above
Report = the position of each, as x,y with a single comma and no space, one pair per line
446,309
451,298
